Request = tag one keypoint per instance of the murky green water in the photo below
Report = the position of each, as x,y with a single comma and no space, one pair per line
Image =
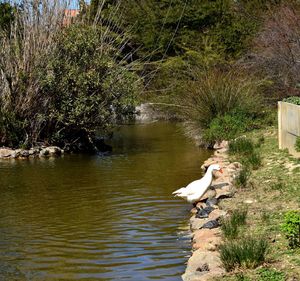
100,218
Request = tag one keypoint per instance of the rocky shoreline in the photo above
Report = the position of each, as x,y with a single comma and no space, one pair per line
205,262
35,152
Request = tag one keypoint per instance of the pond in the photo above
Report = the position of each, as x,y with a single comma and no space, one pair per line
82,217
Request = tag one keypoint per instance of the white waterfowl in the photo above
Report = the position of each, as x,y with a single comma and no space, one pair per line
196,189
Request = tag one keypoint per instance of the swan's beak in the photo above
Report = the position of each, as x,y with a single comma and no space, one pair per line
221,171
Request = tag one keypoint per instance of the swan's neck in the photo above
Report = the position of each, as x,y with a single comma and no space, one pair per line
208,174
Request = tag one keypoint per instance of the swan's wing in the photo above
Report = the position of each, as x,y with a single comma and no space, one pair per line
179,190
190,189
195,185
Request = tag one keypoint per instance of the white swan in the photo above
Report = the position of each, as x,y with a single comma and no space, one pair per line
196,189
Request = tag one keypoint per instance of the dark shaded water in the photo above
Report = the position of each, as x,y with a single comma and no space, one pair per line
100,218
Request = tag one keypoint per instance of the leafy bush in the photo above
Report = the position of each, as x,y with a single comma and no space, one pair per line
230,226
89,89
247,252
266,274
293,100
291,228
226,127
60,86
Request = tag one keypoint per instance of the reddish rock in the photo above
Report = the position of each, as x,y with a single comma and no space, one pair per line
207,260
207,239
216,214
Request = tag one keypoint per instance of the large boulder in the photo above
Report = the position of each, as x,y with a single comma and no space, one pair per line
202,266
207,239
51,151
6,152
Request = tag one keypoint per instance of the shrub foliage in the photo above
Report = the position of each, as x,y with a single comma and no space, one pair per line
60,85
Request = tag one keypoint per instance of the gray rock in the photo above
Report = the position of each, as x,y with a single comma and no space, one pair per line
16,153
54,150
212,202
203,213
50,151
44,152
33,151
24,153
211,224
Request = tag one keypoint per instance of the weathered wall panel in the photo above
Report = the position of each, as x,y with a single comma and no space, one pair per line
288,126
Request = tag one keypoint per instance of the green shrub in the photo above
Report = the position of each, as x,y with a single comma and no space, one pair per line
226,127
266,274
75,83
230,226
217,101
243,177
297,144
293,100
247,252
291,228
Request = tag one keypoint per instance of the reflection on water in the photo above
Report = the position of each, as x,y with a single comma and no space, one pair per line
100,218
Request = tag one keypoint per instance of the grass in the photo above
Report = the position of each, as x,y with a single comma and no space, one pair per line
231,226
243,177
242,146
247,252
275,191
245,151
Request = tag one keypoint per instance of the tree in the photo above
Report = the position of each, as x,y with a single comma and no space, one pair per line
6,16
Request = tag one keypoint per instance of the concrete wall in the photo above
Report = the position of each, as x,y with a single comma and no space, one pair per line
288,126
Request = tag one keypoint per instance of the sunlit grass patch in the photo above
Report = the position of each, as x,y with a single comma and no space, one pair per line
247,252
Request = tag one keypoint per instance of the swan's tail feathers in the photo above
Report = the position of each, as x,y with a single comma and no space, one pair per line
176,192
